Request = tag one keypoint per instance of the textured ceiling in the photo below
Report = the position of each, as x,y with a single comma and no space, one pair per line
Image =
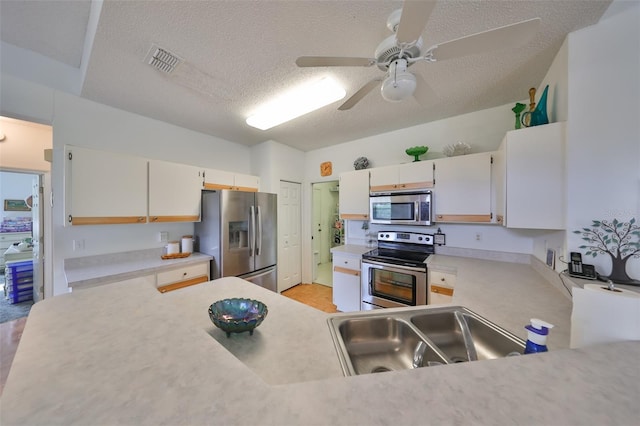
239,54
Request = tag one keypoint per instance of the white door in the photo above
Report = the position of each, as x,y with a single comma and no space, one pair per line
317,229
37,239
289,237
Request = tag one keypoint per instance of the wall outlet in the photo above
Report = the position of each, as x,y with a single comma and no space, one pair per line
163,237
478,236
78,245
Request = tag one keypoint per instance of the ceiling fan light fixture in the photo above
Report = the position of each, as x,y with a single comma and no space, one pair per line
400,84
295,103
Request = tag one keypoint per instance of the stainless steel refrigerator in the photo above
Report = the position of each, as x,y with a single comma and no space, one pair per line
239,230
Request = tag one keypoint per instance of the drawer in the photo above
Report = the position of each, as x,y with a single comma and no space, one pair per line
346,262
442,279
439,295
182,274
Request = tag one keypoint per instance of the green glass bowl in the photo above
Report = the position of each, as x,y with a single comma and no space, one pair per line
417,151
237,315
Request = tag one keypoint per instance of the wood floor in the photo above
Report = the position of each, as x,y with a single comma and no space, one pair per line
10,333
315,295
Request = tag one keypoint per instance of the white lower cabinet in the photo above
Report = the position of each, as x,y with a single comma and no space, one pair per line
346,282
441,286
183,276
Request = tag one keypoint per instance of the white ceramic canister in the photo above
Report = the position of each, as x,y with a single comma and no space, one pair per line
187,244
173,247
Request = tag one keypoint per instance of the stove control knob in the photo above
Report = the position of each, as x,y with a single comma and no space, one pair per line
419,238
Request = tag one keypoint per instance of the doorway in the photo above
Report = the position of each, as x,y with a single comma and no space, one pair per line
21,228
289,237
327,229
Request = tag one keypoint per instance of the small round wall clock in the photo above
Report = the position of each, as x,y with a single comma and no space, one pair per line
325,169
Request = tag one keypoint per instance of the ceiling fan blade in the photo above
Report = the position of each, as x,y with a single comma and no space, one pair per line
415,15
498,38
424,93
357,97
333,61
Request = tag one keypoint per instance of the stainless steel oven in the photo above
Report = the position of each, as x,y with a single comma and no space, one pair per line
395,274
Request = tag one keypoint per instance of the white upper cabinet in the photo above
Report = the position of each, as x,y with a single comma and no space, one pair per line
462,189
531,172
104,188
354,195
220,179
402,177
174,192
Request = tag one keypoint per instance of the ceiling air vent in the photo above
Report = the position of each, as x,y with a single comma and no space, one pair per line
163,60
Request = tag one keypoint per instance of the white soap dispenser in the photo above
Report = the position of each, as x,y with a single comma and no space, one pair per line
538,331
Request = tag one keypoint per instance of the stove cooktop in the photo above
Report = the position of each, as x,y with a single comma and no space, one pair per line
395,256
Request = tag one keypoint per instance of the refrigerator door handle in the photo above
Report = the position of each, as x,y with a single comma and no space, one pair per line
259,232
252,230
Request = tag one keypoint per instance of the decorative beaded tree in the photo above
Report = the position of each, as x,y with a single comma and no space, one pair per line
620,240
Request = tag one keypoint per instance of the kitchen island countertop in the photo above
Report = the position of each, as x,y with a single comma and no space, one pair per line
116,355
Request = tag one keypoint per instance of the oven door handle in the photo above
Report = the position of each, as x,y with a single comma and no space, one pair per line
379,265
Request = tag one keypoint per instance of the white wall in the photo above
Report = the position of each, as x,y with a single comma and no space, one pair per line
557,78
15,186
24,145
483,130
603,126
273,162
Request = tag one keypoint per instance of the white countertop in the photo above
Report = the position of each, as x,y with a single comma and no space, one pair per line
91,271
127,354
351,249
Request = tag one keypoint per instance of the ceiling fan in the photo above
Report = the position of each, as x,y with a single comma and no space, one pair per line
404,48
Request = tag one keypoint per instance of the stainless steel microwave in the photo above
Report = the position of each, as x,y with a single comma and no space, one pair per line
400,208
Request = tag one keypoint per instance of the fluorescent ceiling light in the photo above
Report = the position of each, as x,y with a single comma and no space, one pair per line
295,103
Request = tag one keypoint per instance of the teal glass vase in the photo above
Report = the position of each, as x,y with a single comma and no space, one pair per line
539,115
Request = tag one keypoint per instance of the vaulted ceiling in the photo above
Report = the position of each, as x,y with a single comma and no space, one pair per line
240,54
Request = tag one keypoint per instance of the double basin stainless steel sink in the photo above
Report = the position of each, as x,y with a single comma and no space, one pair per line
399,339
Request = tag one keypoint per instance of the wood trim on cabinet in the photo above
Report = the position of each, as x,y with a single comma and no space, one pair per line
245,189
354,216
463,218
346,271
446,291
107,220
182,284
401,186
158,219
382,188
214,186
